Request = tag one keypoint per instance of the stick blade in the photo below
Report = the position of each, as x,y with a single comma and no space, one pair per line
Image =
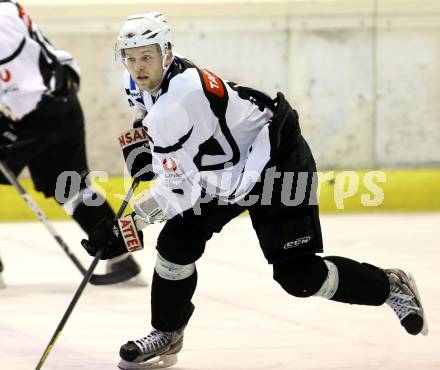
113,277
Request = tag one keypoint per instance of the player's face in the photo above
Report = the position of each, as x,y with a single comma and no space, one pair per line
145,66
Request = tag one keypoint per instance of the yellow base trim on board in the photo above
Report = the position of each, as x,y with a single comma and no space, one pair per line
13,207
414,190
339,191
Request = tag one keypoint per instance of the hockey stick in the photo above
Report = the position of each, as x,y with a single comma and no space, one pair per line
106,279
83,283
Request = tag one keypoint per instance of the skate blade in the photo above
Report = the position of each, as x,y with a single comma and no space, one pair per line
155,363
413,284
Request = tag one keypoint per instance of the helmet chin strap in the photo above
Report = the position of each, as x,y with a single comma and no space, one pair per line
165,69
164,58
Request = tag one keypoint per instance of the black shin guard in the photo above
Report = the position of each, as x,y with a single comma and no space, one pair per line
88,216
171,301
360,283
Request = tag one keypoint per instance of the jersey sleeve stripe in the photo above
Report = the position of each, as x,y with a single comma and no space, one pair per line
175,147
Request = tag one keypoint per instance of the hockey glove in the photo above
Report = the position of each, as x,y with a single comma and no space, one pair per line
67,81
116,237
137,153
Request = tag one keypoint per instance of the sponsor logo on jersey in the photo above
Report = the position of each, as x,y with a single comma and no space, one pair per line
212,83
133,136
130,233
5,75
297,242
169,165
172,177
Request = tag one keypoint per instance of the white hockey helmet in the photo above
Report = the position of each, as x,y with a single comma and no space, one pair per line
141,30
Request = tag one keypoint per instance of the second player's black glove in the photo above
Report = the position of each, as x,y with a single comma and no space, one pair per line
116,237
67,80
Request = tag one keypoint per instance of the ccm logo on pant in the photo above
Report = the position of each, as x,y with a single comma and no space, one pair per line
297,242
129,233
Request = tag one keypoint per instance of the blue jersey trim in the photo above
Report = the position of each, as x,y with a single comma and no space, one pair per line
132,84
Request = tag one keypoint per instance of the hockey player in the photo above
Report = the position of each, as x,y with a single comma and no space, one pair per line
41,121
217,149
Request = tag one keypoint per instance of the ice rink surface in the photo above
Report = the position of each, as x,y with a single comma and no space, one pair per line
243,319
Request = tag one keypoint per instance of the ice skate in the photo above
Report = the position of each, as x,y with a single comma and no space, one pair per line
124,262
405,300
157,350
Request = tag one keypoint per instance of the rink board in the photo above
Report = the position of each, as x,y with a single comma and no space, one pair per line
402,190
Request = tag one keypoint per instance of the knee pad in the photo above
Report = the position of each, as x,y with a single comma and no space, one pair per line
181,242
301,276
173,271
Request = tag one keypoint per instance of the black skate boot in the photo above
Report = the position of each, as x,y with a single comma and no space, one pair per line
157,350
404,299
127,262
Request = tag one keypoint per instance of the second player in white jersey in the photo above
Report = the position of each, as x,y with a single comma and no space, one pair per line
30,67
41,120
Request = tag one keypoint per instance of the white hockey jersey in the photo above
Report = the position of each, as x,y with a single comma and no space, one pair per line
28,62
204,137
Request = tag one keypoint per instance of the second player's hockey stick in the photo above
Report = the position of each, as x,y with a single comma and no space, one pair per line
83,283
95,279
